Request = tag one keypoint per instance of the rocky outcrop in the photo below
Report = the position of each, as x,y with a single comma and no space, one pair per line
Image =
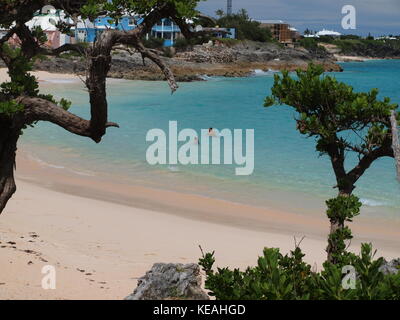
170,281
239,60
390,267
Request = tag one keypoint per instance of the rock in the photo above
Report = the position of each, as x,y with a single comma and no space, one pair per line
170,281
391,267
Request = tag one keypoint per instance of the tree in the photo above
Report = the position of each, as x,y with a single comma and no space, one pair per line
22,104
220,13
396,142
342,121
246,29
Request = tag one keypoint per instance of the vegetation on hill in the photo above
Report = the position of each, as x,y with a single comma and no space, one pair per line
246,28
353,45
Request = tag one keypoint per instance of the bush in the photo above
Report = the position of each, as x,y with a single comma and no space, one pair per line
153,43
227,41
181,44
311,44
169,52
246,29
278,277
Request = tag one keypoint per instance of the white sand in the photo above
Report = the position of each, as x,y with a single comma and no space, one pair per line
115,244
42,76
101,236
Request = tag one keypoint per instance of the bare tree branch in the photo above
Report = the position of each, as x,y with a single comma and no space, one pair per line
65,47
37,109
160,63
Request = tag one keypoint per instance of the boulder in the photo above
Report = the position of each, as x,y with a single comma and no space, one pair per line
170,281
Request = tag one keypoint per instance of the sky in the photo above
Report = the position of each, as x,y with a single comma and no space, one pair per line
378,17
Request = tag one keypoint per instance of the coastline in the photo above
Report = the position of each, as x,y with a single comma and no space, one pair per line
101,236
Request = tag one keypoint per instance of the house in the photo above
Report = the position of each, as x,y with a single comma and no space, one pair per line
87,31
281,31
3,32
47,21
217,32
166,29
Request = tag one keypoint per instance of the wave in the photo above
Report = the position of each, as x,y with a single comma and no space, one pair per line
259,72
372,203
61,80
54,166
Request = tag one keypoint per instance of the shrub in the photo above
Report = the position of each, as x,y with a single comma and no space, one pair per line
312,45
246,28
278,277
182,44
227,41
153,43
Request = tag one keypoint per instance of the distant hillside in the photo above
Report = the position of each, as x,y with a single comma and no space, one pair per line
360,47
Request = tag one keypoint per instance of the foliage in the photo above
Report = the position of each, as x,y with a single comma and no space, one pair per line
10,107
169,52
153,43
182,44
22,83
312,45
329,110
246,29
278,277
356,46
369,47
340,210
115,9
342,121
227,41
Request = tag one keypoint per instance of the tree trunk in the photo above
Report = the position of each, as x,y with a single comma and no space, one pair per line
396,142
335,226
8,146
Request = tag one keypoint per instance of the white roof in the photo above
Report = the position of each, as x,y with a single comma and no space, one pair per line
47,21
325,32
272,21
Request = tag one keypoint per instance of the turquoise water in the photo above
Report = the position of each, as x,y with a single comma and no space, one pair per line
288,170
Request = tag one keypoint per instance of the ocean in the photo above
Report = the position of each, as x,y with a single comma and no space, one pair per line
288,172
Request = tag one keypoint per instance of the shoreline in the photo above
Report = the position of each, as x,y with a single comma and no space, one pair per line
101,236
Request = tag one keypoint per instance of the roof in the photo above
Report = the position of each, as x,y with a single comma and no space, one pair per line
46,21
325,32
272,21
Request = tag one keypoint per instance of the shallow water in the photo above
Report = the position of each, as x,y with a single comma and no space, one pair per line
288,171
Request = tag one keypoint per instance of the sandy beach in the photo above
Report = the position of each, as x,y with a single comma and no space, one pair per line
101,235
42,76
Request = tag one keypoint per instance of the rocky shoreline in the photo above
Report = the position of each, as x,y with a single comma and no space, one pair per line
239,60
